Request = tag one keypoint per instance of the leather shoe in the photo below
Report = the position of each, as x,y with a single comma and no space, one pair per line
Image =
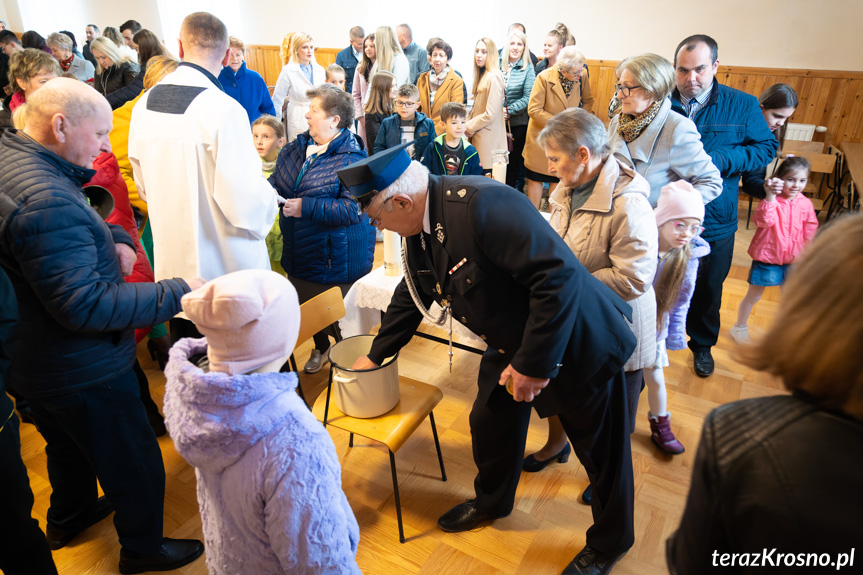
59,538
586,495
173,554
589,562
703,362
531,464
464,517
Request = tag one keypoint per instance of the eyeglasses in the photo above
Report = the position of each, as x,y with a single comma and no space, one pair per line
625,91
574,73
406,104
681,228
374,221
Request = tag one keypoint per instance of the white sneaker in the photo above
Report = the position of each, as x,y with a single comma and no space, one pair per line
740,333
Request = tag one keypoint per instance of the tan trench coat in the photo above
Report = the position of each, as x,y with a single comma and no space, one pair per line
485,120
546,100
614,236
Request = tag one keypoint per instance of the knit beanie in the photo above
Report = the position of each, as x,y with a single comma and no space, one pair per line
250,318
678,200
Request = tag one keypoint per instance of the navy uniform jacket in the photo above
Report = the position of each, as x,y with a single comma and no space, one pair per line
521,290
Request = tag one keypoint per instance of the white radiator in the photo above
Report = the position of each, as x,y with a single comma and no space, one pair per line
800,132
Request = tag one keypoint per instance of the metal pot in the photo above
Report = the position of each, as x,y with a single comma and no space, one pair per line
363,393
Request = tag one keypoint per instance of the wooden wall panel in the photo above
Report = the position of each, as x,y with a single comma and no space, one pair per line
827,98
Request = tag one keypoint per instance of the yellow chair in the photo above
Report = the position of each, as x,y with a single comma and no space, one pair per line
319,312
416,402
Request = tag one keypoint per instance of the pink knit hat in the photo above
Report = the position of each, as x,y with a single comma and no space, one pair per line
250,318
678,200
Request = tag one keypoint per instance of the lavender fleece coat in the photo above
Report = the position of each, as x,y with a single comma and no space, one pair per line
269,481
673,329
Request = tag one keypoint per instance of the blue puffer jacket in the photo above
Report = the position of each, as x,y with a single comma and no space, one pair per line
77,312
249,89
389,136
738,140
330,243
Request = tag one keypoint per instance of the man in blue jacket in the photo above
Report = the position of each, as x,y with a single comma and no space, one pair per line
76,348
738,140
351,56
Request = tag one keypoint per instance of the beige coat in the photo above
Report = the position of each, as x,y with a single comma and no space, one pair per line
546,100
485,120
614,236
452,90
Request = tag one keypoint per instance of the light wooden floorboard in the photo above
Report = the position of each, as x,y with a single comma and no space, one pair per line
546,528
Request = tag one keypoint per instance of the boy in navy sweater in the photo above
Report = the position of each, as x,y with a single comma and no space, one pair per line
406,125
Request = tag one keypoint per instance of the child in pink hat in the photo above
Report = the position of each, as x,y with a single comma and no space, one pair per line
269,481
679,215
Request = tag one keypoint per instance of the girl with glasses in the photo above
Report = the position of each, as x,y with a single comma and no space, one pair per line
679,215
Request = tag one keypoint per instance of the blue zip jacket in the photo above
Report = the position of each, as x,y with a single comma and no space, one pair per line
331,243
738,140
389,136
346,60
249,89
433,159
77,311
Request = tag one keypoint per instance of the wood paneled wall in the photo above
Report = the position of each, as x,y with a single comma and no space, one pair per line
827,98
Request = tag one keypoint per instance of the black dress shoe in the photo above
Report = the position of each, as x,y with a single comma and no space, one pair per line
589,562
585,495
59,538
173,554
464,517
531,464
703,362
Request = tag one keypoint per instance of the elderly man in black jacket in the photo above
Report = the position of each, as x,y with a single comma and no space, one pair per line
76,348
556,336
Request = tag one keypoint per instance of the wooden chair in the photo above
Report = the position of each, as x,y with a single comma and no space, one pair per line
416,401
791,146
316,314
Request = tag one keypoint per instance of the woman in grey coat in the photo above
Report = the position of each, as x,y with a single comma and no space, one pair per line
61,48
659,144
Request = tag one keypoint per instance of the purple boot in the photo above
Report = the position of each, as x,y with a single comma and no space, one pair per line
661,435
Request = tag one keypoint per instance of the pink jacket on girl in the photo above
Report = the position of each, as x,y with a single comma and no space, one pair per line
784,227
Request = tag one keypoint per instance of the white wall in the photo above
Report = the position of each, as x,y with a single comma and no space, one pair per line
800,34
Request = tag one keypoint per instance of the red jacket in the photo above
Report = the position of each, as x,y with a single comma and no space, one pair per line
784,228
108,176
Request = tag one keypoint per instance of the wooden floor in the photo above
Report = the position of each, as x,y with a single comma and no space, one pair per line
547,527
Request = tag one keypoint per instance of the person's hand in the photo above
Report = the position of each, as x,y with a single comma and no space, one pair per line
772,188
468,135
127,258
293,208
524,387
195,283
364,363
505,113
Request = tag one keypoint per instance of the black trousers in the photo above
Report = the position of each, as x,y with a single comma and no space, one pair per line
306,290
599,433
516,161
102,432
23,547
702,321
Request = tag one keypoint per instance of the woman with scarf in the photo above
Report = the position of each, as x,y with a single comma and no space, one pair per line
647,136
563,85
61,48
440,84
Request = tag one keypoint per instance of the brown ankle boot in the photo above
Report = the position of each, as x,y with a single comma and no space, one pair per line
661,435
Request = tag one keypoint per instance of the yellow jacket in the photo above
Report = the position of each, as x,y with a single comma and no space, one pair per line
120,146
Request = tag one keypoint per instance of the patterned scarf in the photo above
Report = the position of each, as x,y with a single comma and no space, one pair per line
436,80
565,83
66,63
630,127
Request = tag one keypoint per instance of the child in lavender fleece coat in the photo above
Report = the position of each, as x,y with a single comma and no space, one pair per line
269,481
679,214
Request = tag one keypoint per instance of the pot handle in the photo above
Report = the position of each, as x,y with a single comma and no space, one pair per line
340,378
